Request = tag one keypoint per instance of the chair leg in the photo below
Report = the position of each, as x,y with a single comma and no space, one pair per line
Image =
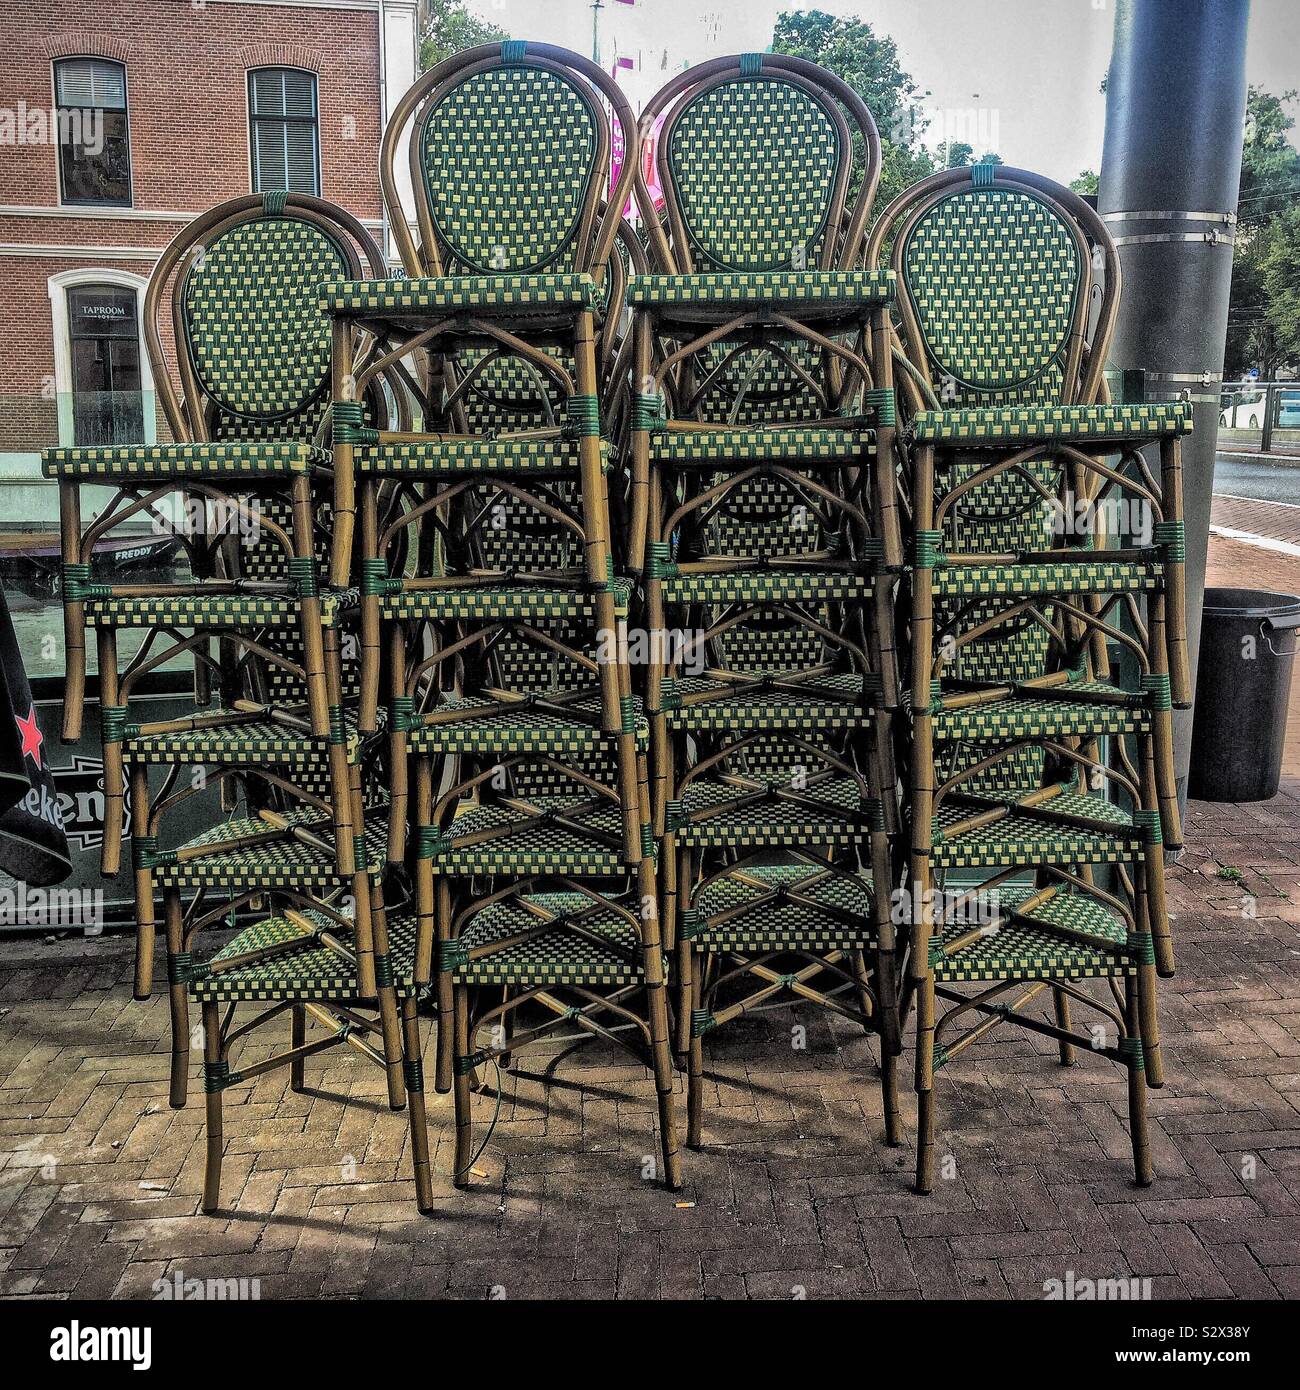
110,858
925,1098
695,1091
889,1095
178,998
215,1137
657,1015
1061,1009
1139,1132
413,1069
445,1044
298,1036
458,1032
74,617
146,931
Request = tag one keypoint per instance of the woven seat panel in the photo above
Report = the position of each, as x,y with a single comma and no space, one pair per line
558,957
485,601
836,820
762,516
1078,423
1002,513
756,387
843,291
281,863
523,731
799,448
770,642
508,392
768,586
1085,575
1021,716
993,276
781,924
836,702
226,460
544,848
1020,951
243,611
446,458
514,536
1021,838
310,972
245,741
488,294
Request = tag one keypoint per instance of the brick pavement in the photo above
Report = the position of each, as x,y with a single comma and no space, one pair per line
99,1179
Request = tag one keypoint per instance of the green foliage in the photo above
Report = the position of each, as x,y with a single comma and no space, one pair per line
1263,330
1087,182
848,47
449,29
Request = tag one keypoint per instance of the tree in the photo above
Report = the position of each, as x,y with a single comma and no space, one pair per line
449,28
848,47
1258,332
1279,273
1087,182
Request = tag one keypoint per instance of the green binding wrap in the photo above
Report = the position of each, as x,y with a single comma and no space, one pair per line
882,402
876,814
179,968
649,412
144,851
659,561
1141,946
926,554
430,842
359,852
692,923
1158,688
348,424
383,971
513,52
751,64
582,417
1131,1050
701,1021
648,845
675,816
1172,537
401,714
273,201
374,577
934,952
452,955
983,174
302,570
413,1073
217,1076
112,723
1149,823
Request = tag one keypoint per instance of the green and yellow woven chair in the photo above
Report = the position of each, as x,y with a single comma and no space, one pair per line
245,405
574,956
758,311
343,973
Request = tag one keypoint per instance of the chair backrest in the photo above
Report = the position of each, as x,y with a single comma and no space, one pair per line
509,148
996,268
252,346
758,158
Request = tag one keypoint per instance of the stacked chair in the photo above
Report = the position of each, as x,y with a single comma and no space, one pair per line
1043,661
756,415
762,592
494,609
248,487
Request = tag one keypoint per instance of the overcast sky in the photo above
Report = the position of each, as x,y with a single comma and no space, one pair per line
1018,76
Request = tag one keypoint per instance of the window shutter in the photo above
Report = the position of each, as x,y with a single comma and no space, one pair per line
91,82
283,125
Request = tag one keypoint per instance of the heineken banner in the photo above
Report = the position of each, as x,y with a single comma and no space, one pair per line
33,842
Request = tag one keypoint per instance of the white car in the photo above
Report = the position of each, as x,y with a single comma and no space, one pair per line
1242,411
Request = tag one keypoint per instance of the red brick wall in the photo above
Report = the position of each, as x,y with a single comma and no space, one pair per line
187,65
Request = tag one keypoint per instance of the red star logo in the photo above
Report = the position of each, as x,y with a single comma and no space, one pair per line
31,734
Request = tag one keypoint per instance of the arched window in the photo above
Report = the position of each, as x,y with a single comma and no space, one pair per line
94,139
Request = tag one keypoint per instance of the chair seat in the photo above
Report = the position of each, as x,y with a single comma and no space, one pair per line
1020,950
242,740
489,601
803,292
828,813
227,461
594,845
1023,715
300,967
607,950
443,458
1023,424
284,862
768,585
828,702
801,447
213,611
432,296
522,730
823,912
1025,838
1082,574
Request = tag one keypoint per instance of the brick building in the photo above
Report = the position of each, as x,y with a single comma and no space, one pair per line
118,123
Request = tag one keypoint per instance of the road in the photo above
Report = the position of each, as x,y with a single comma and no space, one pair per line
1264,482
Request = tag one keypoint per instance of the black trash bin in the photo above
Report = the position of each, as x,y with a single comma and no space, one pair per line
1243,685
